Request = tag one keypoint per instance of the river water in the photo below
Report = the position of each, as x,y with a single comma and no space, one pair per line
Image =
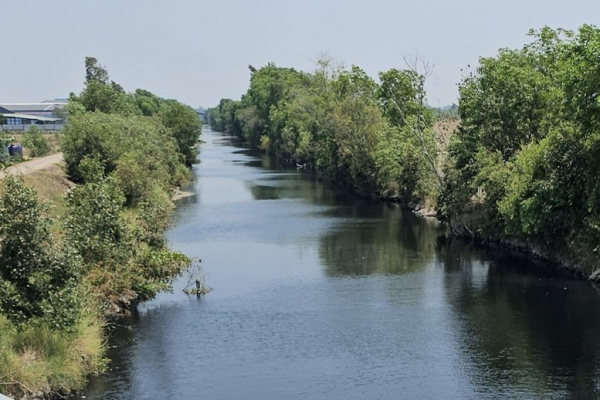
318,294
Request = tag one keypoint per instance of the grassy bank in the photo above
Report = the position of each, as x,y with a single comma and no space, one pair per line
38,361
84,241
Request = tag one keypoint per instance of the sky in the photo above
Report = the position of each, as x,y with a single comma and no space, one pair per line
198,51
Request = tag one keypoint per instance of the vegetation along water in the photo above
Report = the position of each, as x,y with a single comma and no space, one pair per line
342,296
521,169
322,294
96,245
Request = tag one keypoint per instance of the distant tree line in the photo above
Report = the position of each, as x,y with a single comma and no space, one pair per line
523,164
355,131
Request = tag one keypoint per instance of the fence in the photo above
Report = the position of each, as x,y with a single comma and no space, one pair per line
22,128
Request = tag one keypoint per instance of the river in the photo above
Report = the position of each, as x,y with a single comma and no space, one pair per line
319,294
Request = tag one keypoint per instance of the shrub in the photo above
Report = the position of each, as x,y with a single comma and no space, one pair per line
34,140
38,279
94,224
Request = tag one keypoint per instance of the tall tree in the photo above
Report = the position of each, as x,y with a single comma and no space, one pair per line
94,71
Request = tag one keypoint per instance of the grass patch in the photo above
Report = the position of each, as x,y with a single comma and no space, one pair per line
51,184
37,360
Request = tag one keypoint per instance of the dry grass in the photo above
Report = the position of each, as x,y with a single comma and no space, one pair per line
36,360
51,185
444,130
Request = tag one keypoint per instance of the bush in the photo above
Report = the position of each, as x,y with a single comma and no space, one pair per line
401,169
34,140
545,196
38,279
111,137
94,224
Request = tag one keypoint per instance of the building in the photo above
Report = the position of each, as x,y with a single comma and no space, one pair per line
46,108
22,116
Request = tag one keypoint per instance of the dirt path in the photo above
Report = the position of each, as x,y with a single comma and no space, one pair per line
36,164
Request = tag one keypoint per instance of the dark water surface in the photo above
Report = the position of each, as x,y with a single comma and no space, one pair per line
318,294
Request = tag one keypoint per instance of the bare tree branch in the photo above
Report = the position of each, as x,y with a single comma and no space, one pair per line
417,131
417,64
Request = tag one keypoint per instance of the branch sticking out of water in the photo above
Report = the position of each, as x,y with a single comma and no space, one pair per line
195,284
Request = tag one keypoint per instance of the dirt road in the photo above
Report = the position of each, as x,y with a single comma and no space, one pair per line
36,164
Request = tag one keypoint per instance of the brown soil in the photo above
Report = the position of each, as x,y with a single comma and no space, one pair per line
30,166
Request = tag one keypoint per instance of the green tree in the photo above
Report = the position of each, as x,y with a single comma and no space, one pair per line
403,99
94,72
94,224
114,140
524,162
101,94
183,125
38,277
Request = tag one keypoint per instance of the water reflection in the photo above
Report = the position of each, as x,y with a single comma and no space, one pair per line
319,294
390,241
522,333
119,376
264,192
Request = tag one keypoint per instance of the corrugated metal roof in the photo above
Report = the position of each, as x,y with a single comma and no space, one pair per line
57,101
28,116
31,107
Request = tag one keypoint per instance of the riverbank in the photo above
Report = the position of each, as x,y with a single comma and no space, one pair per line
83,242
318,275
36,362
576,264
521,169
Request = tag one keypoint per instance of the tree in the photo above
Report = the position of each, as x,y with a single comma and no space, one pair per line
402,96
94,224
101,94
525,158
38,278
184,126
110,138
94,72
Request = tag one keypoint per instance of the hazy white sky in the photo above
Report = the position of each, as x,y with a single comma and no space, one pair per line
198,51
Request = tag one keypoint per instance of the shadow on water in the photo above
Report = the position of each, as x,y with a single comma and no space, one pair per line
264,192
390,241
525,328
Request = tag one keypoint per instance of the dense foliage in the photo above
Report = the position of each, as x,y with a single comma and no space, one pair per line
372,137
108,97
525,160
59,273
523,164
126,151
38,277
